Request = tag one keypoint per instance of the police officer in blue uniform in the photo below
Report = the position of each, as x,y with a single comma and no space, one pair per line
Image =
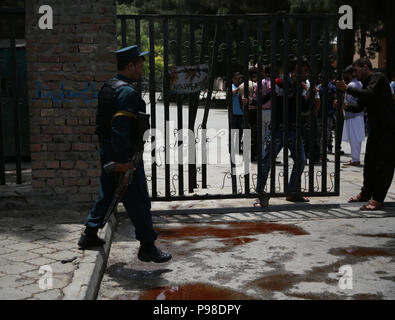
118,105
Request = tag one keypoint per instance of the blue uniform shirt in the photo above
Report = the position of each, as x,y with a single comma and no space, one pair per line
126,99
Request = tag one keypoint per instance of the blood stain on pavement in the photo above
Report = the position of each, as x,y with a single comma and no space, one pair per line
238,241
227,230
195,291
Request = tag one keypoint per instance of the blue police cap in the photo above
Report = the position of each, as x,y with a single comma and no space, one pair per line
129,53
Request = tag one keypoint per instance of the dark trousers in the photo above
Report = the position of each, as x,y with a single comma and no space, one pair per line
338,140
311,148
136,201
379,165
237,127
328,143
253,126
264,172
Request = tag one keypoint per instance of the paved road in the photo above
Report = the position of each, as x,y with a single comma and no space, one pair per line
36,245
249,256
282,252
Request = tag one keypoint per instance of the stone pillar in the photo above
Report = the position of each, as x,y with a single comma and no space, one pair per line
66,67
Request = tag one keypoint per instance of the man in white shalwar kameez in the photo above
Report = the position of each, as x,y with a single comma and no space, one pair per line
354,126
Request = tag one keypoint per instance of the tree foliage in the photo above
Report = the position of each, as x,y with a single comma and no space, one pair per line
373,19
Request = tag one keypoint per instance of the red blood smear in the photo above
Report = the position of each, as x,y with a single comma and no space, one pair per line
196,291
228,230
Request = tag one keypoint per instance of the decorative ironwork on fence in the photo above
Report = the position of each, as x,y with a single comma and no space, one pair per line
267,39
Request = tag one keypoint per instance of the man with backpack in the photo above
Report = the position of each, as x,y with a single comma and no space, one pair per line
118,132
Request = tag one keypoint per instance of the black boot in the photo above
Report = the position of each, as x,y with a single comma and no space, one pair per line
90,239
149,252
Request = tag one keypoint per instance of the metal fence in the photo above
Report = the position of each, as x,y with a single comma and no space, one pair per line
233,43
11,94
227,43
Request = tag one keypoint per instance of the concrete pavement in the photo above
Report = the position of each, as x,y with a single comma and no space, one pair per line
40,260
259,256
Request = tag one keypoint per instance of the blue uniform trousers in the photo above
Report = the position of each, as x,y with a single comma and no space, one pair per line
136,200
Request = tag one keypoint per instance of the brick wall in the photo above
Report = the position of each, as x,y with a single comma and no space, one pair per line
66,67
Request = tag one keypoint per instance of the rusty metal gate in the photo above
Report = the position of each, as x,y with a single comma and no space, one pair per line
235,43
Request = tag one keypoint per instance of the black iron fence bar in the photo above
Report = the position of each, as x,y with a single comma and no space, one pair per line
153,104
217,32
180,116
138,42
204,136
191,118
2,156
196,96
259,128
229,102
298,110
204,41
338,110
246,108
285,101
273,49
325,106
123,32
166,103
313,84
236,196
17,131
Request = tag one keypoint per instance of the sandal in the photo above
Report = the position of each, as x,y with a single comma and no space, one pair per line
352,164
262,203
358,198
372,205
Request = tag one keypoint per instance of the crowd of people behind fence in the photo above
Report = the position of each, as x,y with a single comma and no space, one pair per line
353,126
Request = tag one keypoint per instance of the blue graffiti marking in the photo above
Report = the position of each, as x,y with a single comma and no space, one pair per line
66,95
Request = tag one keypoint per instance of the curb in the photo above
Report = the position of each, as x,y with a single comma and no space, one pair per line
87,278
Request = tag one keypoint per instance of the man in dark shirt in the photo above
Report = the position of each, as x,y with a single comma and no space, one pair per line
376,97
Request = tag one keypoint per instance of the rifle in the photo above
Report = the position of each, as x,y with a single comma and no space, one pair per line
128,177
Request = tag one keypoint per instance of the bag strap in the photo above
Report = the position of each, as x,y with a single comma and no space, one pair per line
115,84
